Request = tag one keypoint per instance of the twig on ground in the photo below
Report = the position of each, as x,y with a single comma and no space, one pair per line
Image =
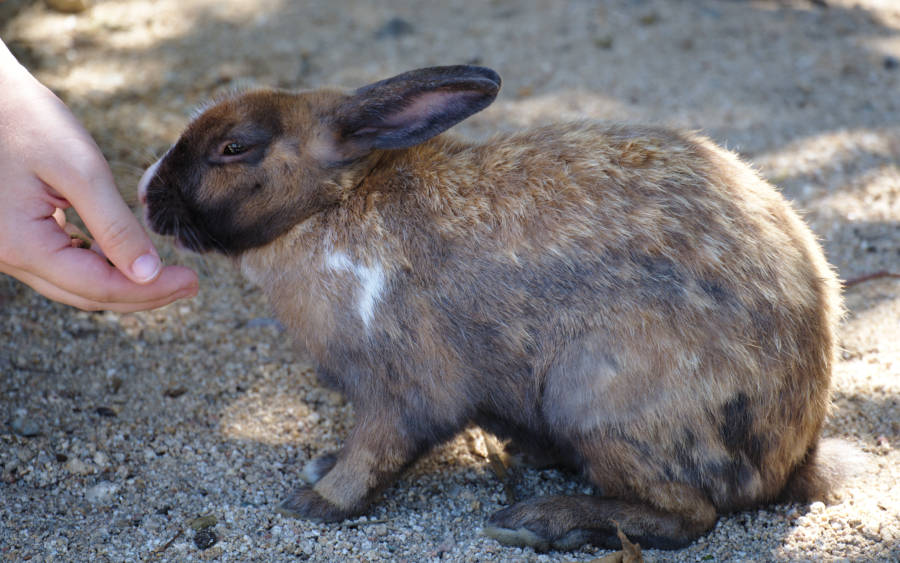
360,523
165,546
869,277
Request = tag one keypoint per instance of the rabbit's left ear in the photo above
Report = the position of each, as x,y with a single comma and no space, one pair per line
413,107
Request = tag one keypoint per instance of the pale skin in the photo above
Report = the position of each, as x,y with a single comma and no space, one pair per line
49,163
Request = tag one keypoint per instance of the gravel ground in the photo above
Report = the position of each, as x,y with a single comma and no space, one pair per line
117,432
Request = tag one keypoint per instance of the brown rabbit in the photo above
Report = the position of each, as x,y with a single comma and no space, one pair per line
632,302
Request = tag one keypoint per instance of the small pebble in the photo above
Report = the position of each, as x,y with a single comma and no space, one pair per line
101,493
78,467
101,459
203,522
604,41
25,426
650,18
212,554
175,392
205,539
891,63
395,27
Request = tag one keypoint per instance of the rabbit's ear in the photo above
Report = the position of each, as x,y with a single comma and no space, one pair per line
413,107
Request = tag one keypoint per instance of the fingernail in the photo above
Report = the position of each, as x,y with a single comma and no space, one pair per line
146,267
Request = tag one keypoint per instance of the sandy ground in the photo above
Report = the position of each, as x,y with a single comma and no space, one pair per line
118,431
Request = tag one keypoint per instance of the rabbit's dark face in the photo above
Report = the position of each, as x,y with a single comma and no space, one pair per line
254,165
240,175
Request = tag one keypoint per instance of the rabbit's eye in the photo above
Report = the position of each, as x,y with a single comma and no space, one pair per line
233,148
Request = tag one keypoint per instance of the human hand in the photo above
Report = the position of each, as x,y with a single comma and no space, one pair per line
48,162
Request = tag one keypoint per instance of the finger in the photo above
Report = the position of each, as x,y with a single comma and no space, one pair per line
60,217
45,251
85,273
89,275
89,187
64,296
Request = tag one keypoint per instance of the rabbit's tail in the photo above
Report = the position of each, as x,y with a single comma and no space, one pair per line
826,465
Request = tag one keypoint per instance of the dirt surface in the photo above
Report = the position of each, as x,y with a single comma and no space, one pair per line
118,431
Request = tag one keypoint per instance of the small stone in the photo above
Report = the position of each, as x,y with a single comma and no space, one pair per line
78,467
25,426
604,41
891,63
106,412
67,6
203,522
817,507
175,392
213,553
650,18
101,459
395,27
24,454
205,539
333,398
101,493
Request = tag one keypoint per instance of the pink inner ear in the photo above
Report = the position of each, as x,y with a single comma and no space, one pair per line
424,106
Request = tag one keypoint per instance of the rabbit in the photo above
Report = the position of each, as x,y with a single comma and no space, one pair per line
630,302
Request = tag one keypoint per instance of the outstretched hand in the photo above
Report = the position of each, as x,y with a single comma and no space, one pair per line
48,163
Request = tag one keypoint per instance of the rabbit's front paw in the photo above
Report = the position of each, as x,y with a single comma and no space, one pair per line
307,504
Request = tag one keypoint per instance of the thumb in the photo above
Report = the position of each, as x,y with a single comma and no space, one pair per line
93,193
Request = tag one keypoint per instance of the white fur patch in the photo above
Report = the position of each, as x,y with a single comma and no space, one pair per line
145,181
371,280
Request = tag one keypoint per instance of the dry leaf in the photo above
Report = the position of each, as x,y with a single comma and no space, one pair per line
631,552
610,558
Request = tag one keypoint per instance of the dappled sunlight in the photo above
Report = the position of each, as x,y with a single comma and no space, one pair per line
828,152
564,104
287,406
873,196
138,39
98,78
137,24
884,47
866,325
269,419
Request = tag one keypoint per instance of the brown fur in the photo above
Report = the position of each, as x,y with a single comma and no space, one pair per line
635,299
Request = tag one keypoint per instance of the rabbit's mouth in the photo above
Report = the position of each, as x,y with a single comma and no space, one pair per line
175,221
166,213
